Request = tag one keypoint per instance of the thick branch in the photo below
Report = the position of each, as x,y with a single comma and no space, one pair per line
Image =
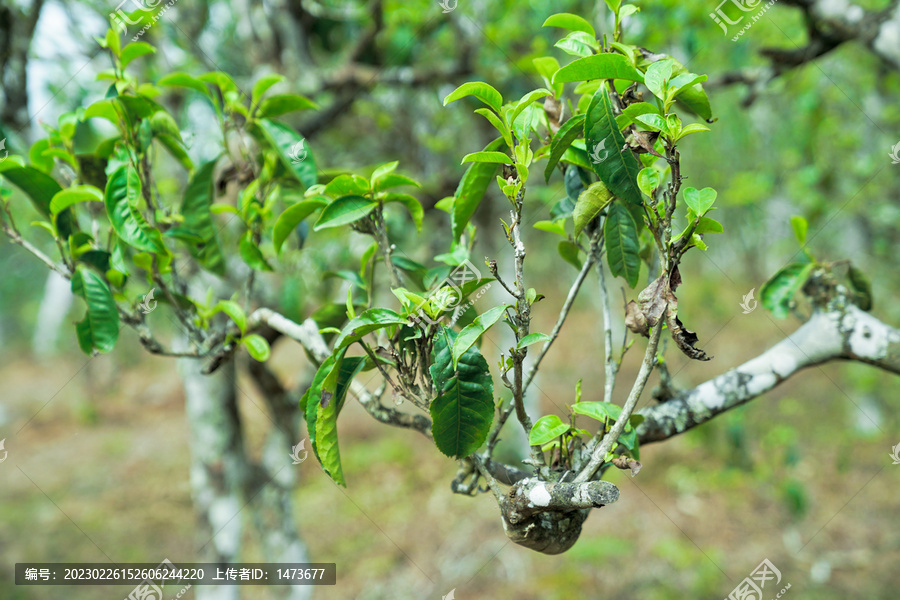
848,334
830,24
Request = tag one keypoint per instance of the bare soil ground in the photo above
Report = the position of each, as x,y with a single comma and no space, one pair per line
802,477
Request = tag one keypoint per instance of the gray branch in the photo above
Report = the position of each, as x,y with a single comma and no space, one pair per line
846,333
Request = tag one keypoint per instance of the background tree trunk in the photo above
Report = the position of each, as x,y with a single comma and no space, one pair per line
224,481
218,467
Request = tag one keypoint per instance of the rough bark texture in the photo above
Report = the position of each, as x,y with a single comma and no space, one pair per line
547,517
846,333
225,483
218,467
16,29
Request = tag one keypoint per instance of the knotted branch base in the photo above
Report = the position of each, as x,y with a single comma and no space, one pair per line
547,517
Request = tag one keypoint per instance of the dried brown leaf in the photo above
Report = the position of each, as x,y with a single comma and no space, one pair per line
684,338
624,463
653,299
635,319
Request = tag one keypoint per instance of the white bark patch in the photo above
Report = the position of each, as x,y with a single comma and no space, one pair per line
839,10
866,340
539,495
887,43
785,366
760,384
706,399
224,519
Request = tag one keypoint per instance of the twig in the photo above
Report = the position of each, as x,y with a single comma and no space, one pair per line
609,362
384,244
598,455
563,313
14,236
492,483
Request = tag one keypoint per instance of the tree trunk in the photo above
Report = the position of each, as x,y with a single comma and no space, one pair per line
224,481
218,467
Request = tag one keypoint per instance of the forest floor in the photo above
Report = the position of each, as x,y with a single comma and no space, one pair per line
801,477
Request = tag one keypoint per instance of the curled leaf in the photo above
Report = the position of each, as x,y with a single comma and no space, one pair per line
658,301
624,463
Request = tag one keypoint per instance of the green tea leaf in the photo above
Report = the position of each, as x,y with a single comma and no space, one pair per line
498,124
657,77
367,322
195,208
252,255
343,211
547,429
607,65
411,203
699,201
480,90
281,104
567,133
777,293
263,84
569,252
185,81
99,329
488,157
590,202
618,170
291,149
526,101
470,334
134,50
73,195
464,408
234,312
622,245
532,338
291,218
128,222
570,22
471,190
40,189
800,226
257,347
648,180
